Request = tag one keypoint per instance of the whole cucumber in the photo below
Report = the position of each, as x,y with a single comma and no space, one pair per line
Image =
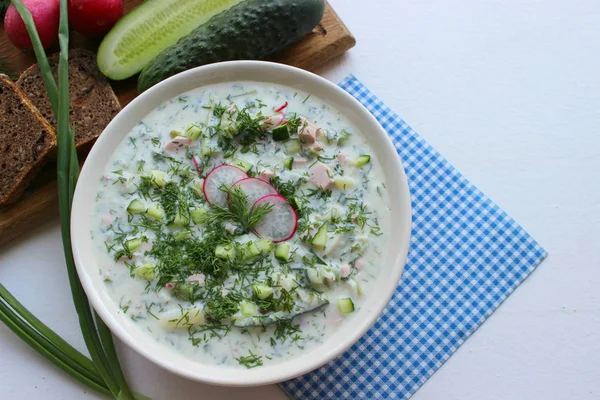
250,30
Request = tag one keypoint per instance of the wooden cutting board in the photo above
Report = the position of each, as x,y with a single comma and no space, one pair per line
330,39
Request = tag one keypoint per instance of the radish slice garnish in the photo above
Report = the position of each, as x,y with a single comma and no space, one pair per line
254,188
280,224
222,175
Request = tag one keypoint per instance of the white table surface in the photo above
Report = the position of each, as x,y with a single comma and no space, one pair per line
509,92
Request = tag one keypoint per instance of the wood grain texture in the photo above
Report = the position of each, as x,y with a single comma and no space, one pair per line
330,39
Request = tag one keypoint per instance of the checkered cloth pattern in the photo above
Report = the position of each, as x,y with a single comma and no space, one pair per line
466,256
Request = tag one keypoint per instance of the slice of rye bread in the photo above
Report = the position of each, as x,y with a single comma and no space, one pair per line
26,141
93,102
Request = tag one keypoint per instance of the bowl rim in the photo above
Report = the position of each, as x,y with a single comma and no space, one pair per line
214,374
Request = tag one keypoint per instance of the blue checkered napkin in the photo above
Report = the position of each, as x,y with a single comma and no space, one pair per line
466,256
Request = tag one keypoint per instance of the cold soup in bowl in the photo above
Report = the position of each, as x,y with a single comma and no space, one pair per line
241,223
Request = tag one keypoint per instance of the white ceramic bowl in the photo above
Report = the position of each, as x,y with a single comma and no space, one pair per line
350,332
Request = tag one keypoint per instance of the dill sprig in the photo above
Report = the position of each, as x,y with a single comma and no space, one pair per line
240,210
250,361
169,198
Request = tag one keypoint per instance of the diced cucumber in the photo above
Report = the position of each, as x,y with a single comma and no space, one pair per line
360,245
244,165
198,183
288,162
182,318
184,291
315,276
158,178
136,207
282,251
248,308
262,291
281,133
287,282
265,245
362,161
179,236
133,244
175,133
354,284
155,211
293,147
295,202
343,137
193,132
226,252
343,182
320,238
335,213
207,149
346,305
229,127
178,222
250,250
145,272
198,214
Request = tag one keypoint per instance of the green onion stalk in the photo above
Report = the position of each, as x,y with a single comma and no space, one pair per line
103,372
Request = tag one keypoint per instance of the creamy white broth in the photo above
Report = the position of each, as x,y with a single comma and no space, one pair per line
352,254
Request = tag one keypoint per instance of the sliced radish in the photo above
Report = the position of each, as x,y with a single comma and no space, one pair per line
282,107
222,175
255,188
281,223
196,162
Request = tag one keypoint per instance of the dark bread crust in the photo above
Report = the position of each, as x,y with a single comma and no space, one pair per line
27,141
93,102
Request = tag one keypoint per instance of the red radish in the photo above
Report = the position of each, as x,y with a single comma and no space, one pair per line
196,163
274,121
46,16
283,107
94,18
281,223
222,175
255,188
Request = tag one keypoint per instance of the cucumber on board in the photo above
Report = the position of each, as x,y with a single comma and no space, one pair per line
150,28
250,30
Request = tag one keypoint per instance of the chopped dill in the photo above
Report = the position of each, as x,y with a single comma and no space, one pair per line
239,210
250,361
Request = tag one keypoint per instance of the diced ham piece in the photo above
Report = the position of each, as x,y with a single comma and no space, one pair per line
197,278
108,219
320,175
317,146
342,158
345,270
231,228
177,142
266,174
169,286
275,121
300,161
358,264
307,131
